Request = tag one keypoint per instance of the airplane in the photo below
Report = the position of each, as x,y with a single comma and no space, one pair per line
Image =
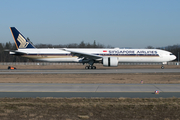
108,57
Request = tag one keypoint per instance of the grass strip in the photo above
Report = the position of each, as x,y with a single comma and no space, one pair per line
92,109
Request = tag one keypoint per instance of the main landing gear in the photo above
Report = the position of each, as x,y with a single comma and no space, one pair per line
91,62
90,67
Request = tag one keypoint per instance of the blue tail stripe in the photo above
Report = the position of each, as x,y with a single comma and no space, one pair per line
20,40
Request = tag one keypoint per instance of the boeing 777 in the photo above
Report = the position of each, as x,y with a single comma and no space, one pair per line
108,57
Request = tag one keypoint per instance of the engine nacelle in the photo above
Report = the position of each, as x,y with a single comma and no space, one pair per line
110,61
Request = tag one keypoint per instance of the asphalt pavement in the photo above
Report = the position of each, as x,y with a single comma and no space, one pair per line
89,71
88,90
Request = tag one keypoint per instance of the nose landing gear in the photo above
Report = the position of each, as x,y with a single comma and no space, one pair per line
163,63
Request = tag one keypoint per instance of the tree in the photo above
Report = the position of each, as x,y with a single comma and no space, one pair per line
82,45
149,47
94,44
29,40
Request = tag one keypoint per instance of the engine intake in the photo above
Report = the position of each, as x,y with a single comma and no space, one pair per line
110,61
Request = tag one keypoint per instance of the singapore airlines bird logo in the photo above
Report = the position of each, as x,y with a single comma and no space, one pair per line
22,41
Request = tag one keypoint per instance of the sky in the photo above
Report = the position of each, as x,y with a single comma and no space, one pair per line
118,23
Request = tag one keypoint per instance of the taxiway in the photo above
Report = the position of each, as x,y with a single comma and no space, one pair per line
83,71
88,90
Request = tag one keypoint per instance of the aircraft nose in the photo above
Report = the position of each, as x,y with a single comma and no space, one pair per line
173,57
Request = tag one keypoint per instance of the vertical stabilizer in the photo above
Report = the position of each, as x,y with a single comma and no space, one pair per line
20,41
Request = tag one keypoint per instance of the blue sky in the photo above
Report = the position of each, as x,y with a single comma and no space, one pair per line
119,23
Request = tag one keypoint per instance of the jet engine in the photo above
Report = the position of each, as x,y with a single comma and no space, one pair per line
110,61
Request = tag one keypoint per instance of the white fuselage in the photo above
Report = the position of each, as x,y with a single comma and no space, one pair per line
123,55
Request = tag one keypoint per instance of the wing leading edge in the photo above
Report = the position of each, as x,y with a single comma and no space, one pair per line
83,55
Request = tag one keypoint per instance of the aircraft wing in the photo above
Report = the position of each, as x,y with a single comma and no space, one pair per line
83,55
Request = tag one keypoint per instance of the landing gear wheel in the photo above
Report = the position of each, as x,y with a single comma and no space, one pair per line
162,67
90,67
94,67
87,67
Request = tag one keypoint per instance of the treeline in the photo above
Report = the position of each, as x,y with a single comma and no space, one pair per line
73,45
5,57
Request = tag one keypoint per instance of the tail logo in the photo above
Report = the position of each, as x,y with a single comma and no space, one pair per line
22,41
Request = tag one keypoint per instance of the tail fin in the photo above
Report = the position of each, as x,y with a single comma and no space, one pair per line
20,40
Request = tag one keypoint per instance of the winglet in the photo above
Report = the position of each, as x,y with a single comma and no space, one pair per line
20,40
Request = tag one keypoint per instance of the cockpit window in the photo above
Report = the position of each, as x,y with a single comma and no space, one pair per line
171,54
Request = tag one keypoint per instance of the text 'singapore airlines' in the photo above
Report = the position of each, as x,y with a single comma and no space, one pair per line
108,57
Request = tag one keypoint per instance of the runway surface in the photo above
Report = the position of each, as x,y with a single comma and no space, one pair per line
88,94
88,90
83,71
